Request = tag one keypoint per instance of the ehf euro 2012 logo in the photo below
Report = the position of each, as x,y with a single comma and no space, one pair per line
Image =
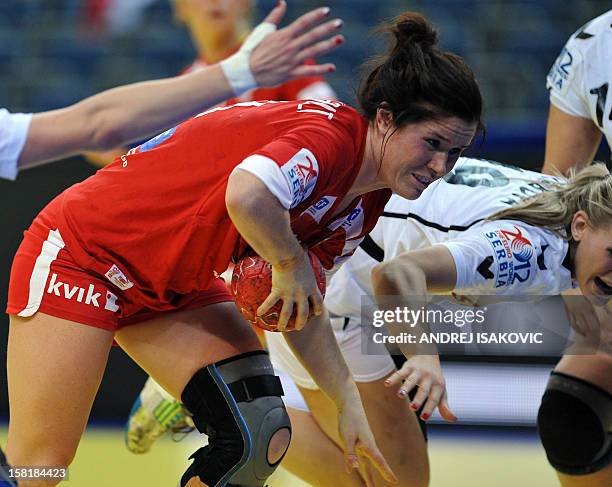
512,253
301,172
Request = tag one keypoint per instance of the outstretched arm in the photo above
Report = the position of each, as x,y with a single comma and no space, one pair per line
413,274
316,348
571,142
122,115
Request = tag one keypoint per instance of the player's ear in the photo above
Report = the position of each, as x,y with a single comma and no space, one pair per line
580,223
384,117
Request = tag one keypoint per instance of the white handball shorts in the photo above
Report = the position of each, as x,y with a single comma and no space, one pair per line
365,368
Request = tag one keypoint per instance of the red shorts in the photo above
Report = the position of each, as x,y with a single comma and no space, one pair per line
45,278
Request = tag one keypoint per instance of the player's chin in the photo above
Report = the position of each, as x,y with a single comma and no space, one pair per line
409,192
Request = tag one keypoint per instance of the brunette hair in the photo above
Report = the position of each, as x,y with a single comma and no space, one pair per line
416,80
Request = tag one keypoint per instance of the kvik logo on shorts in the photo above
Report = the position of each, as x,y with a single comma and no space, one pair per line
81,295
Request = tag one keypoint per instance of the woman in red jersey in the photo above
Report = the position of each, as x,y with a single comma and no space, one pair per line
133,253
217,29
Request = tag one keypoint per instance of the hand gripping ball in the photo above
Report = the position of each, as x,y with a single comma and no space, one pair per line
252,283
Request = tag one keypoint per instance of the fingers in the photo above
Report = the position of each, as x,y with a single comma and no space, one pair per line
410,383
317,34
350,462
366,471
435,395
445,410
277,13
285,314
350,457
398,377
316,301
270,301
318,49
301,318
306,71
422,394
305,22
373,454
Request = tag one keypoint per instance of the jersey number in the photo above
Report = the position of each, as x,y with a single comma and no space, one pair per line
322,107
602,94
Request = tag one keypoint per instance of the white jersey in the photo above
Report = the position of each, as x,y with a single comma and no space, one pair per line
13,133
579,80
491,257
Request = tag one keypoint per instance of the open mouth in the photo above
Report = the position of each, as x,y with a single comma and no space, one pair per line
424,180
604,287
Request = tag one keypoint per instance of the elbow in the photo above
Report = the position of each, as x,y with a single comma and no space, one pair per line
233,194
381,277
239,195
106,137
397,278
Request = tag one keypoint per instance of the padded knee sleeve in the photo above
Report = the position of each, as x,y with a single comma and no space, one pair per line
575,425
237,403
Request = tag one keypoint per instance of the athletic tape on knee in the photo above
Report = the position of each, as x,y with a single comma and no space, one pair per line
237,403
575,425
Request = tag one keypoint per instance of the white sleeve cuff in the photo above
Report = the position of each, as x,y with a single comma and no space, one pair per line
456,250
562,104
14,129
268,172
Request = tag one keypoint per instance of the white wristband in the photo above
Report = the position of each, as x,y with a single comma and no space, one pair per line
237,67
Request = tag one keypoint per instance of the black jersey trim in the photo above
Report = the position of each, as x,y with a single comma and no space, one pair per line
372,248
427,223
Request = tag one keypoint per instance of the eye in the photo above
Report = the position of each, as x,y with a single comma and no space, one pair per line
433,143
455,152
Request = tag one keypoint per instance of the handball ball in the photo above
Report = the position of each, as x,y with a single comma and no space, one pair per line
252,283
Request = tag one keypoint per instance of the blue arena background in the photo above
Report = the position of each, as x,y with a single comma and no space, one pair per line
51,57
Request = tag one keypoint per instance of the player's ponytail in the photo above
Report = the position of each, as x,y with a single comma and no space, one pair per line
416,80
589,190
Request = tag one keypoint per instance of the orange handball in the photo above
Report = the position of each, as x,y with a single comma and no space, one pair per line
252,283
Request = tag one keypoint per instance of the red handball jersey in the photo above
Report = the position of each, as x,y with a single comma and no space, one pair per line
154,222
297,89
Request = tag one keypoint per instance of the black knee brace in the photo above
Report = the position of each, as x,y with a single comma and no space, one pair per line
237,403
5,479
575,425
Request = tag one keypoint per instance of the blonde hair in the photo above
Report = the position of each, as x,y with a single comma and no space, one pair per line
588,190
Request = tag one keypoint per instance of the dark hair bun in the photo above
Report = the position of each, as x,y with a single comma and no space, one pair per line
412,28
415,79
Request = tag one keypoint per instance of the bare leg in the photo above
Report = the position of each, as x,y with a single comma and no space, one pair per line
54,370
172,348
395,428
597,369
311,446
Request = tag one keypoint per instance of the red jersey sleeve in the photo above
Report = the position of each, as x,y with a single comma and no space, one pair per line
314,154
